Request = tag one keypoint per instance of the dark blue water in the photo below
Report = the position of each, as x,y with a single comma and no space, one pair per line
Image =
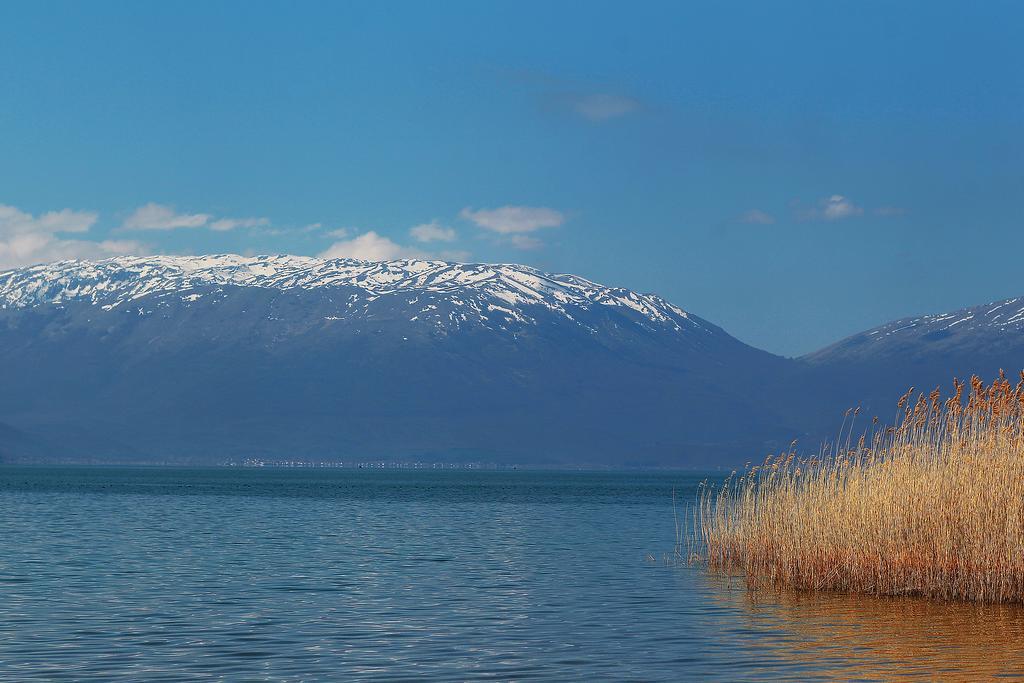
226,574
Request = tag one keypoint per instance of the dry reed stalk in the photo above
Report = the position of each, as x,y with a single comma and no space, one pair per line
933,506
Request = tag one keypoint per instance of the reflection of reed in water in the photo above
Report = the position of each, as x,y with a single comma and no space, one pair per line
844,636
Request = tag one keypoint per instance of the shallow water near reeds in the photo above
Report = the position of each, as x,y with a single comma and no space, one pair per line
259,574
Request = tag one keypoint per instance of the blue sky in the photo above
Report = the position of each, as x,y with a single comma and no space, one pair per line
794,172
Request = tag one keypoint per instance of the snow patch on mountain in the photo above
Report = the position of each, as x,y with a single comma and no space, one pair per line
998,315
506,289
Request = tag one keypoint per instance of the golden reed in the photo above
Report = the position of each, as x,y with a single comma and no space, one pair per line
933,506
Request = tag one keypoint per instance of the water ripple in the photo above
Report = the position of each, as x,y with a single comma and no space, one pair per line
277,575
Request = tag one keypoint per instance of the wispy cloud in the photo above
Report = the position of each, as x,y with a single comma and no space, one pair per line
14,221
508,220
835,207
838,207
757,217
26,239
432,232
304,230
155,216
589,100
600,107
525,242
224,224
370,246
66,220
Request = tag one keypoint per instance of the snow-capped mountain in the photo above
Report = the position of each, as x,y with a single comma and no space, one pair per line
222,358
924,351
509,289
996,317
216,358
494,296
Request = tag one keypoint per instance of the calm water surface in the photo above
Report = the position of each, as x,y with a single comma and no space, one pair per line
221,574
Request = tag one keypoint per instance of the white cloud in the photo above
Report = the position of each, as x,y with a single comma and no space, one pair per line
432,232
757,217
264,229
13,221
508,220
833,208
339,233
370,247
223,224
57,250
27,239
154,216
838,207
603,106
67,220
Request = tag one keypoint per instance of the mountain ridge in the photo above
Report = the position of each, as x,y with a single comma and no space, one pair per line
217,358
313,358
871,367
105,282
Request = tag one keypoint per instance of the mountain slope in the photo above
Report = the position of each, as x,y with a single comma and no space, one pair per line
874,367
208,359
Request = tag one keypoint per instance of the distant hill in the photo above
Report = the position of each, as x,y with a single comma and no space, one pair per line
221,358
873,367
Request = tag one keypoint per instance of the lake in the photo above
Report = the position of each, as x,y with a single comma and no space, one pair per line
327,574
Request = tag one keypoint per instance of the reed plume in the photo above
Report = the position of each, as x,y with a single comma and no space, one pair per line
931,506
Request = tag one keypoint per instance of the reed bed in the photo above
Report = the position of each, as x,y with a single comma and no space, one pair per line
932,506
